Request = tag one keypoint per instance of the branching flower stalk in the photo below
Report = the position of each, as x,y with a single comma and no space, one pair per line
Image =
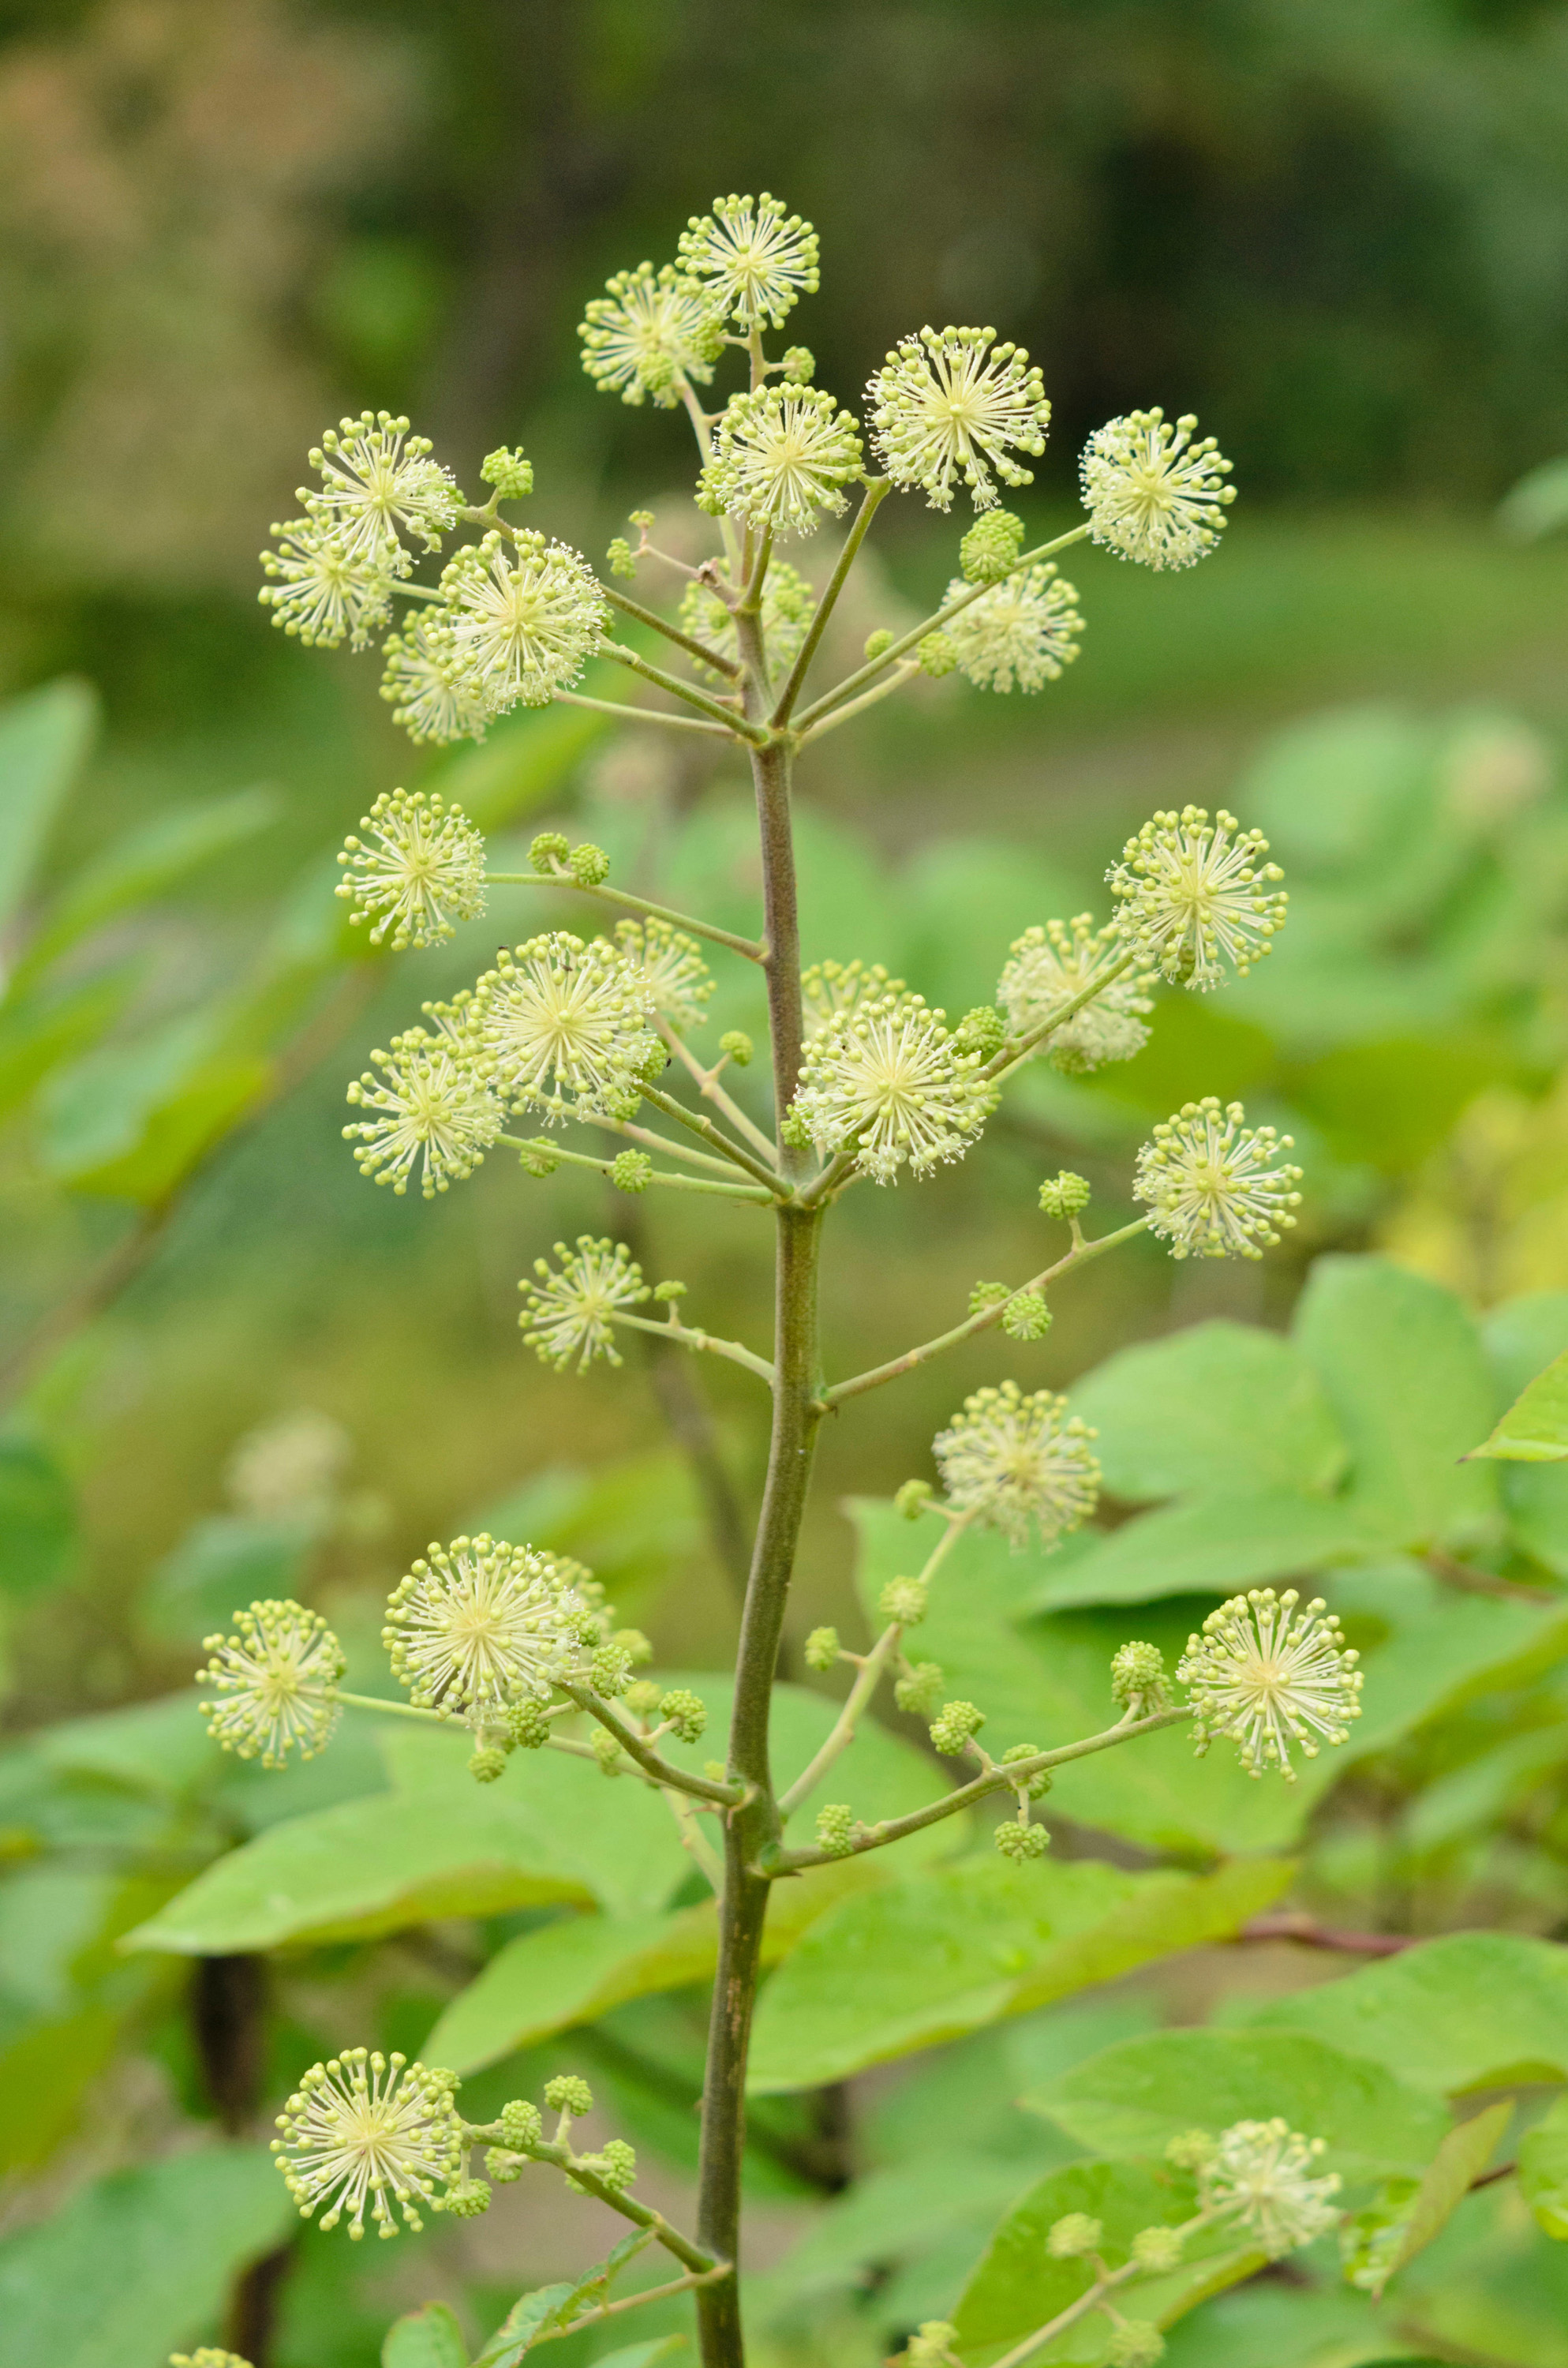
870,1086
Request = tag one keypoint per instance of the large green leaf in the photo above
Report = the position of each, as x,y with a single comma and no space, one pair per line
1220,1409
129,1121
1543,2170
1402,1367
1269,2323
1535,1428
1214,1545
1522,1337
950,1949
1019,2284
1406,2217
39,1033
1470,2010
44,741
37,1519
536,2317
1134,2097
431,2338
139,2262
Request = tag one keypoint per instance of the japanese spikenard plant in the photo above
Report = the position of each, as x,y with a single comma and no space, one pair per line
870,1086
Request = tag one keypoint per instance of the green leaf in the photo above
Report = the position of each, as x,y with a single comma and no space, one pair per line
1535,1429
1543,2170
1402,1367
1426,2210
531,2315
1538,505
889,2216
1332,792
431,2338
1134,2097
1219,1409
37,1520
1285,2326
519,764
1389,1104
1212,1546
643,2355
129,1121
1470,2010
950,1949
1523,1335
1020,2286
39,1033
225,1560
44,739
139,2263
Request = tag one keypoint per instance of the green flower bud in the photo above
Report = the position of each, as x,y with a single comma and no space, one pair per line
569,2093
641,519
913,1499
1138,1679
485,1765
631,1171
548,852
615,2164
821,1649
527,1726
635,1645
1035,1786
643,1698
468,2201
609,1670
1193,2150
936,656
1026,1316
1063,1195
981,1029
920,1688
952,1730
537,1159
589,864
503,2168
605,1751
620,557
1134,2343
521,2125
715,1770
988,1294
835,1830
904,1599
990,549
1074,2235
799,366
512,476
1017,1840
932,2347
738,1046
877,642
1157,2249
687,1713
793,1130
668,1292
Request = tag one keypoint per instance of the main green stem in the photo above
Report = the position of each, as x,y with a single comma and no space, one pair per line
756,1825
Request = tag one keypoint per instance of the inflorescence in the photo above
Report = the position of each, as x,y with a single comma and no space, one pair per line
1012,1460
1214,1186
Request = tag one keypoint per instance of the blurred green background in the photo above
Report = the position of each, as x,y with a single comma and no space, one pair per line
1339,232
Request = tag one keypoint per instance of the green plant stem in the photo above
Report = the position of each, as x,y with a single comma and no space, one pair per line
636,2301
559,1153
687,1337
1079,1255
688,641
932,624
650,1141
1014,1054
691,2256
688,691
749,946
652,1763
711,1090
1011,1779
693,1840
697,1124
875,493
393,1709
1107,2282
625,715
905,672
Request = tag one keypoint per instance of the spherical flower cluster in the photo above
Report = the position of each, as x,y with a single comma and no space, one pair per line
1075,2234
670,964
377,479
366,2129
949,406
569,1315
278,1679
1269,1676
433,1111
1260,2171
830,989
1210,1184
887,1082
789,605
1191,896
1134,2343
423,870
1152,494
432,694
318,591
780,456
756,260
479,1624
992,547
652,332
1011,1460
1138,1679
522,615
1021,631
566,1028
1054,967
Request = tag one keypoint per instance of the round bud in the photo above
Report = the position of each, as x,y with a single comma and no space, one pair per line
609,1670
1072,2236
616,2164
1138,1679
931,2346
799,366
913,1499
588,864
877,642
669,1293
620,557
510,473
1063,1195
486,1765
737,1047
1157,2249
988,1294
1134,2343
536,1160
569,2093
936,656
990,549
521,2125
687,1713
1026,1316
1193,2150
641,519
631,1171
548,850
636,1646
643,1698
903,1600
981,1029
835,1830
1017,1840
1035,1786
467,2200
953,1728
821,1649
527,1726
605,1751
503,2168
920,1688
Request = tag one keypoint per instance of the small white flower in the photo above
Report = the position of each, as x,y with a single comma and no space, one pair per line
569,1315
431,692
756,260
780,458
1192,895
1260,2171
480,1624
321,590
563,1026
671,967
277,1677
289,1469
1210,1185
1268,1675
1152,494
377,478
886,1080
830,989
1012,1460
1022,631
1050,968
650,332
788,605
432,1110
363,2128
946,407
423,870
523,615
